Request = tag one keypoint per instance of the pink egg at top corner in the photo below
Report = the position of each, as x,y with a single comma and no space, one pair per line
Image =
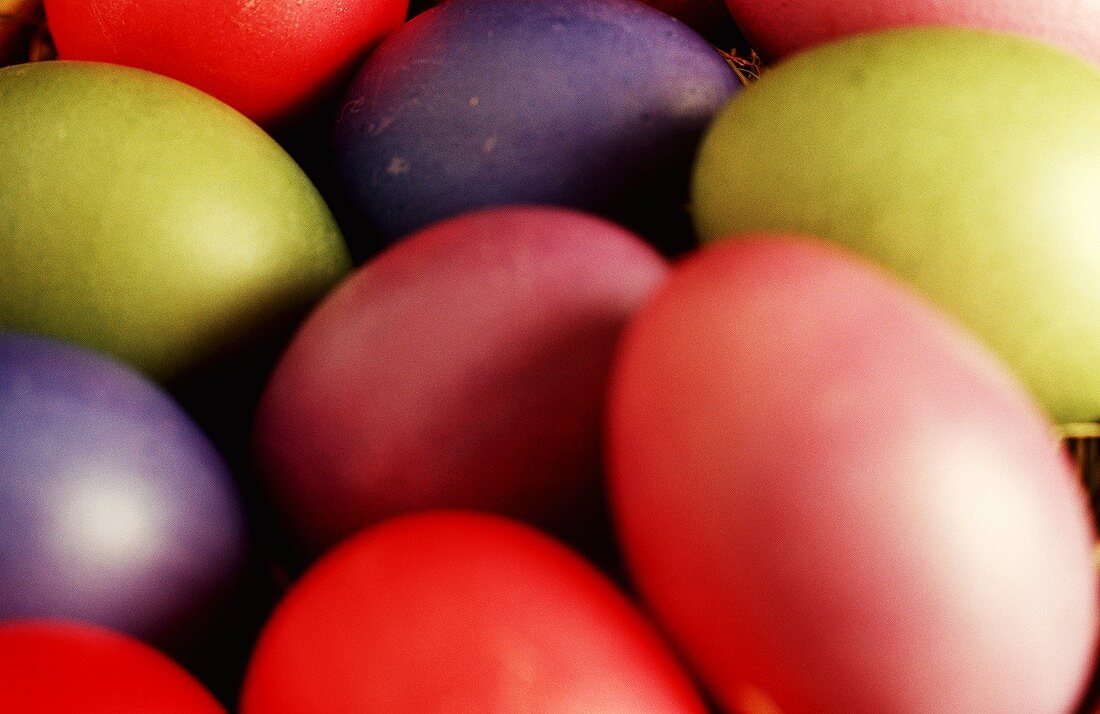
778,28
464,367
826,489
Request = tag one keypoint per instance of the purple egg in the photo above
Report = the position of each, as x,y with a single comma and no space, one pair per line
114,508
591,104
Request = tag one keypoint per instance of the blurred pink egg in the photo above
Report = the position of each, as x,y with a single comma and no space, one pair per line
776,28
826,489
465,367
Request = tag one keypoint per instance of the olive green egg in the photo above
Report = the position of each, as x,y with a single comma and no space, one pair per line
144,219
966,162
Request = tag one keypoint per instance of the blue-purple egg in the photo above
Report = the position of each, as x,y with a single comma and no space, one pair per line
591,104
114,507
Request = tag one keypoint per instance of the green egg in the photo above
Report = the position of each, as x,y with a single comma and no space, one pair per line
144,219
968,163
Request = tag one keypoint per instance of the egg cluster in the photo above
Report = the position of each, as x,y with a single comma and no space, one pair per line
548,356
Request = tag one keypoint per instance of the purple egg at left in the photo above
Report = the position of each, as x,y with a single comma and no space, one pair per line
115,509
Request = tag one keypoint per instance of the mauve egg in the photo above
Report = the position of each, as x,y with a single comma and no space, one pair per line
827,490
465,367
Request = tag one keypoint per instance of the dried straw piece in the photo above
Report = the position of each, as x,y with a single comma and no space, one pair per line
747,69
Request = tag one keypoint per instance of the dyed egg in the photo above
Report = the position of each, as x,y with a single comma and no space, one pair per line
977,185
148,221
448,612
465,367
114,508
780,27
270,60
62,668
828,491
592,104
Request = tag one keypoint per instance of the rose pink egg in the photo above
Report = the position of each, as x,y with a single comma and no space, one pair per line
827,490
465,367
777,28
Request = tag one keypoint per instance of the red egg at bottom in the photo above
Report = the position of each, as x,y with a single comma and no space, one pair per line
456,612
826,489
53,667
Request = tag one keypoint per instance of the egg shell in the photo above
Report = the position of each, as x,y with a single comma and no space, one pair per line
272,60
114,508
827,490
779,28
145,220
465,367
50,667
592,104
966,162
445,612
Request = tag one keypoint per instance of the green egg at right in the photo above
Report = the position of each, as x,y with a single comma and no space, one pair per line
966,162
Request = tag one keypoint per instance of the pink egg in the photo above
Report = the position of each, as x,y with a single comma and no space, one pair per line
465,367
827,490
776,28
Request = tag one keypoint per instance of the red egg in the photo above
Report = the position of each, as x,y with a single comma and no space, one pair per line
777,28
452,612
827,490
64,668
464,368
270,59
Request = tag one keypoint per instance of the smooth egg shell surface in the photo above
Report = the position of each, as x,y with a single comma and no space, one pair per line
464,367
448,612
272,60
827,490
967,163
114,507
779,28
64,667
593,104
146,220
